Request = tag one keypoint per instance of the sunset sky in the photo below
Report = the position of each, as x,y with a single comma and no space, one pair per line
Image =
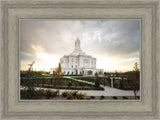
115,43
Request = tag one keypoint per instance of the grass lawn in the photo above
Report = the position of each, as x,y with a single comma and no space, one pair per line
69,80
41,76
74,81
88,79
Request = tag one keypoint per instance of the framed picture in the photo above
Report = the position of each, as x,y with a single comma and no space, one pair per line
48,73
80,59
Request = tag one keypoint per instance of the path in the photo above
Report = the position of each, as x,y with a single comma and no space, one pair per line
108,91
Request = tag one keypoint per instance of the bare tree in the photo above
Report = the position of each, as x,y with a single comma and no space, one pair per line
135,79
97,81
30,82
58,76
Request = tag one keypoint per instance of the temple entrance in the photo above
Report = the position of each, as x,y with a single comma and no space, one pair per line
89,72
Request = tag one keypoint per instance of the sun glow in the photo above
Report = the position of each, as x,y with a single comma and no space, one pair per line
111,64
46,61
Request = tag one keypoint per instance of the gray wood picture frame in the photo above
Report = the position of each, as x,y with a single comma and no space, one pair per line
147,11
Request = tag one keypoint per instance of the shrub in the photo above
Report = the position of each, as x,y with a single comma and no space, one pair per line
69,96
40,92
97,82
102,97
114,97
49,94
36,95
74,95
121,84
69,84
92,97
138,97
28,94
124,97
55,93
80,84
64,94
24,94
81,96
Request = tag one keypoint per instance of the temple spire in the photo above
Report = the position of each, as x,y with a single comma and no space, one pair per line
77,39
77,44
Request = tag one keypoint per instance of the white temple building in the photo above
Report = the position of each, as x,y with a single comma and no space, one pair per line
79,63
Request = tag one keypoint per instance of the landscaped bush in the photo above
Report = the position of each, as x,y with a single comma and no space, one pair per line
92,97
124,97
55,93
26,94
74,95
81,96
102,97
69,84
64,94
70,96
50,94
40,92
114,97
138,97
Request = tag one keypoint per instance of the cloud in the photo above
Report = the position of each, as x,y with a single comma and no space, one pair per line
118,38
